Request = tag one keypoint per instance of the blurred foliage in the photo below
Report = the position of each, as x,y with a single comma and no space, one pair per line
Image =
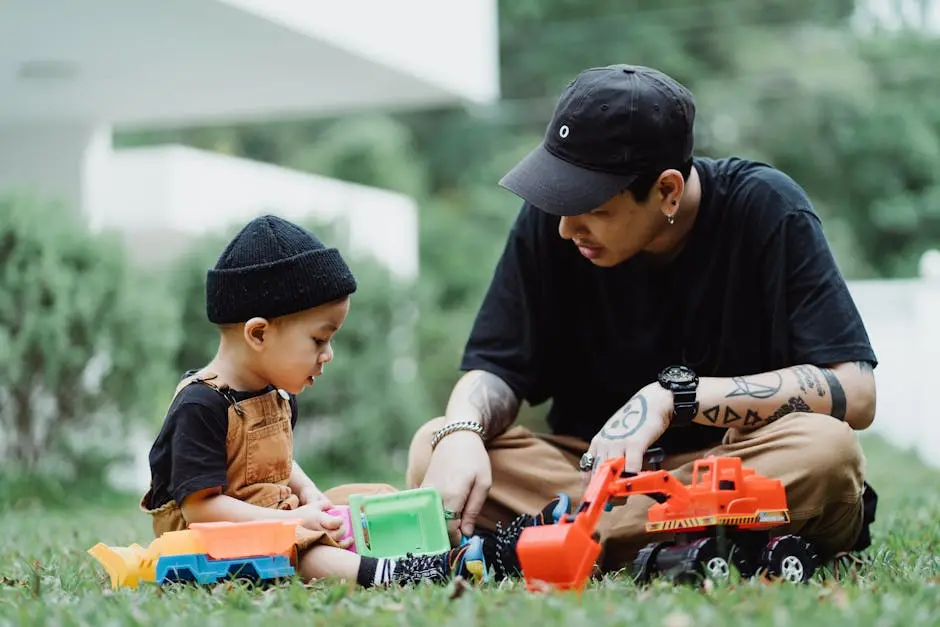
844,110
84,340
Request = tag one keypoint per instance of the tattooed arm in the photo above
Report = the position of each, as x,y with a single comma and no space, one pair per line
459,467
483,397
845,391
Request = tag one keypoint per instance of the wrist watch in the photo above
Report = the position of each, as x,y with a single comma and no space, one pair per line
683,383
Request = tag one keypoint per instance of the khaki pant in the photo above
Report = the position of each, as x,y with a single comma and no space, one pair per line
817,458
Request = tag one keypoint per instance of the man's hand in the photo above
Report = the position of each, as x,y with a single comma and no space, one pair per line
632,430
460,467
460,471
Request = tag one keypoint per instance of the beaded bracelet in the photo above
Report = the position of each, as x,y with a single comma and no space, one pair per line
465,425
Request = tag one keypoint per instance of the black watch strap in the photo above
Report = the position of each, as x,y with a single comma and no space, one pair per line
683,383
685,407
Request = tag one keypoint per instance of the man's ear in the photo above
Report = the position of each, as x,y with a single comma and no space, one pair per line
669,188
254,332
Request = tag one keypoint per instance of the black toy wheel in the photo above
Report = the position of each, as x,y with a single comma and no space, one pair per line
243,572
692,563
709,560
745,549
745,563
180,575
790,558
644,565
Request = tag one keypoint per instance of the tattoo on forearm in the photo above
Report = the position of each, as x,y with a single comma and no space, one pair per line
731,416
764,387
628,420
752,418
838,394
793,405
495,401
809,380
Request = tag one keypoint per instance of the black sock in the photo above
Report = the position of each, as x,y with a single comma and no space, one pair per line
367,568
375,571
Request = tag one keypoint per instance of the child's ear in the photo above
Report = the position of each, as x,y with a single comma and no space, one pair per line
254,332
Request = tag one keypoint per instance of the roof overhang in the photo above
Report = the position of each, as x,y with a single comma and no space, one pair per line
172,62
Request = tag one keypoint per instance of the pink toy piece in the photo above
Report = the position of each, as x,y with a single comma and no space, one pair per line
343,512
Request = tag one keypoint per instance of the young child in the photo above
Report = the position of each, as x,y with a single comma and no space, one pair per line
224,453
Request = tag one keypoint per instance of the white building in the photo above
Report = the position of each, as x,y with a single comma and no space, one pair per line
72,72
901,317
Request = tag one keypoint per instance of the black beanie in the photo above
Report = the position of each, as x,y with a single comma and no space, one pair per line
272,268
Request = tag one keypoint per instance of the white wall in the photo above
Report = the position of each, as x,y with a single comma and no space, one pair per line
68,162
896,14
191,192
187,192
903,321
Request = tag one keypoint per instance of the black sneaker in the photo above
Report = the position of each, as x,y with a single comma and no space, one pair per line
552,513
467,561
500,547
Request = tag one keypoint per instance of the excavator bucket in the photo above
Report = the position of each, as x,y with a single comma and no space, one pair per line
557,556
127,565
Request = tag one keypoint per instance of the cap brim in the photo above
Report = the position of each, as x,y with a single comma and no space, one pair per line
561,188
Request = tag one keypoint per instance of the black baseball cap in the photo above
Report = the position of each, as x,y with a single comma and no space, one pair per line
611,125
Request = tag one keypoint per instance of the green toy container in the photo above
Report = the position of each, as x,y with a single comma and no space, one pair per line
392,525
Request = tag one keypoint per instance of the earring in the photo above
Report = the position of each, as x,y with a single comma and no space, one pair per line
671,219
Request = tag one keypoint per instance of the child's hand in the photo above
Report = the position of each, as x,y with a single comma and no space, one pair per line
316,519
313,496
335,527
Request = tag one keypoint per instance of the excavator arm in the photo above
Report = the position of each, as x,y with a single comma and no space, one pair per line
658,484
612,484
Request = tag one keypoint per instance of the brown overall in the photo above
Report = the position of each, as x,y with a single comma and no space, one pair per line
259,459
817,458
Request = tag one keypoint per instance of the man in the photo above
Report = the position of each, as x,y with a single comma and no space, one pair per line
658,299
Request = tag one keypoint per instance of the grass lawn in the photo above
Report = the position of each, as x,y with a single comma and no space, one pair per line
47,578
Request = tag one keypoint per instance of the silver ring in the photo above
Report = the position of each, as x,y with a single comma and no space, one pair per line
587,462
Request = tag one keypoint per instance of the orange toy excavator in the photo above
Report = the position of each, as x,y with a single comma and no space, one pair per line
723,517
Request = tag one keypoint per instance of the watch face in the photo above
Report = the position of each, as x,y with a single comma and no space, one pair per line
678,374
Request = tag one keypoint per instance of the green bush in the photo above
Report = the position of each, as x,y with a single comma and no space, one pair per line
85,340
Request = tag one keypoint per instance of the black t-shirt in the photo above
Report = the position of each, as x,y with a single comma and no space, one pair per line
755,288
189,454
